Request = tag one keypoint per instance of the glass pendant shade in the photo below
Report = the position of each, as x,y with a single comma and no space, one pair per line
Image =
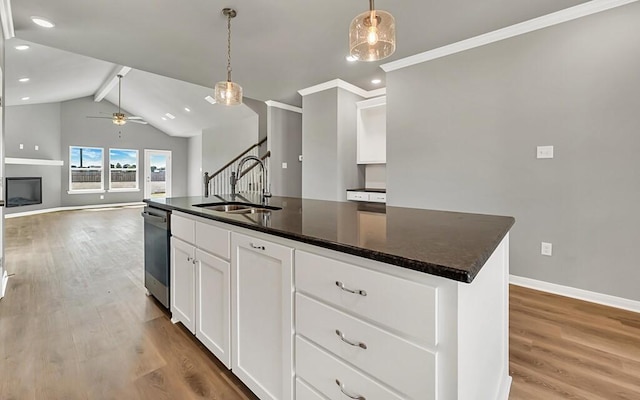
372,35
228,93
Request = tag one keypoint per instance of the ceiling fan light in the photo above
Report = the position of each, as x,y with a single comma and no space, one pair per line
228,93
372,35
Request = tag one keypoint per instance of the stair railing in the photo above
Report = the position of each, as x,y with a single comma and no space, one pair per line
251,178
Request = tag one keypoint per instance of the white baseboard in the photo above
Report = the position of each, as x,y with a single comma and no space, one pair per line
580,294
3,284
70,208
505,389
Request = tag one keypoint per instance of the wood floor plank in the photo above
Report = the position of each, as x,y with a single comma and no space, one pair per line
76,324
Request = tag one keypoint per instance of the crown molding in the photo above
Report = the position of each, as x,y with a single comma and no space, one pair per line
6,18
339,83
559,17
110,83
277,104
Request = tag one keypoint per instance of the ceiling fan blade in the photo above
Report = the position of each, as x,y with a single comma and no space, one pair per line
102,112
138,121
132,117
100,117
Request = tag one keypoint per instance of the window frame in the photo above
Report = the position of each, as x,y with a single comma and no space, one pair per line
101,169
137,169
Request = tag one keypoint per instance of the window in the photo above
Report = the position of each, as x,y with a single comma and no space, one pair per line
123,170
85,167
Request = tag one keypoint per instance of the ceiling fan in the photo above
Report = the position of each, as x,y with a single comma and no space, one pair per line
119,118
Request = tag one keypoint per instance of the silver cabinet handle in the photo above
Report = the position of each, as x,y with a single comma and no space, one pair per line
349,395
341,286
253,246
352,343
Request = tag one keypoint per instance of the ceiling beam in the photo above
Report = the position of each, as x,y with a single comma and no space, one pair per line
110,83
6,18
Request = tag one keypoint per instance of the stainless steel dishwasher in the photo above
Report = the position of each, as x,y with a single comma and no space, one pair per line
157,257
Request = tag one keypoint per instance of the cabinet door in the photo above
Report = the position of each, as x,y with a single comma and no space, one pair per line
183,283
262,325
212,305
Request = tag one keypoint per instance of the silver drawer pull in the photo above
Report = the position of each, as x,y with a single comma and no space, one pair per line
351,396
253,246
347,341
341,286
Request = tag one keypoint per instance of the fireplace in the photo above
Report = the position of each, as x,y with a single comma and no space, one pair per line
23,191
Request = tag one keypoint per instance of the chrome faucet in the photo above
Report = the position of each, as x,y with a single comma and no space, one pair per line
236,177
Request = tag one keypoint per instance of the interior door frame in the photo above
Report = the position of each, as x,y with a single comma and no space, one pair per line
147,170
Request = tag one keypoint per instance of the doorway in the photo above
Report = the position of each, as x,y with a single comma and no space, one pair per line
157,173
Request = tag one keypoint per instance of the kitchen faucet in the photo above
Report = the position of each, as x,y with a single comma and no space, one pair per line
235,177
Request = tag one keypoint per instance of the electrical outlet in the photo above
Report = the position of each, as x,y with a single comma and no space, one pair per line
101,197
37,147
21,146
544,152
300,157
546,248
284,165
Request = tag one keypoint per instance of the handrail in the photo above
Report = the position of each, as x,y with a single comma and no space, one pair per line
237,158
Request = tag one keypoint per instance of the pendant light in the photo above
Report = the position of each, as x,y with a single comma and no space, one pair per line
372,35
227,92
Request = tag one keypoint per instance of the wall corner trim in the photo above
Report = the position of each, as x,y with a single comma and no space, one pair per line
339,83
3,284
580,294
277,104
545,21
6,18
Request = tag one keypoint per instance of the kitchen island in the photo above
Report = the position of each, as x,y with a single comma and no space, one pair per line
310,299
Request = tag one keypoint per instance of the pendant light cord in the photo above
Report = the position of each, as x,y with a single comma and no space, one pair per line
229,47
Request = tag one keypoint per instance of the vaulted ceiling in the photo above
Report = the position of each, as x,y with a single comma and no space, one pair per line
278,46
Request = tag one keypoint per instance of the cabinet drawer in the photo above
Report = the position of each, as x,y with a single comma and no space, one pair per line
372,349
183,228
403,306
305,392
378,197
358,196
331,377
214,240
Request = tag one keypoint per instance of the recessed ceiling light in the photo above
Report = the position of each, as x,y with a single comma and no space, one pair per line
187,109
25,98
376,81
210,99
42,22
23,80
351,58
164,119
22,47
170,116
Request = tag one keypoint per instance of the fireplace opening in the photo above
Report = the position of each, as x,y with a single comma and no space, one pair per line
23,191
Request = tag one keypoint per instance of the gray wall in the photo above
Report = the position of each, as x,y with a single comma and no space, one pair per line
328,145
228,139
260,108
285,143
462,133
78,130
31,125
195,172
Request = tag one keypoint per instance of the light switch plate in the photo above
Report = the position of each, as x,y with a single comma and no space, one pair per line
284,165
545,152
546,249
300,157
37,147
21,146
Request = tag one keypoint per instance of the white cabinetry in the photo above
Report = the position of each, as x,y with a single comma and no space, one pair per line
183,278
200,282
371,129
262,309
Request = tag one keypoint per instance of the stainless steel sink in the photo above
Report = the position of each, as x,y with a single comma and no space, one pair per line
228,207
238,208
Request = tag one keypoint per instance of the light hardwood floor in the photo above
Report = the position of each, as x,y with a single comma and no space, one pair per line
75,324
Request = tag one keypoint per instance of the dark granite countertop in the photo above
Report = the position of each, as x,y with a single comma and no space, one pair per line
448,244
368,190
